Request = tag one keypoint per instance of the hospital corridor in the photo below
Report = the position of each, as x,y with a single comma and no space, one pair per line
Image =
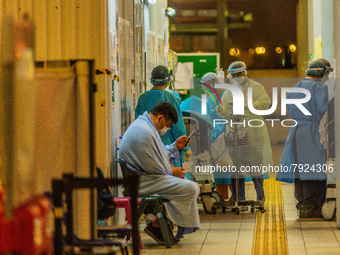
169,127
278,231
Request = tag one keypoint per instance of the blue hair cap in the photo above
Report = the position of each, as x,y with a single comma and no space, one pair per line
160,75
316,68
237,67
209,77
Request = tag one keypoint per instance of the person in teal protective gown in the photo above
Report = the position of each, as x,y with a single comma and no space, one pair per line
192,103
175,93
160,79
303,155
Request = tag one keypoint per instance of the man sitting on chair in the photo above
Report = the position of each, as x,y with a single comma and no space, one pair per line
143,151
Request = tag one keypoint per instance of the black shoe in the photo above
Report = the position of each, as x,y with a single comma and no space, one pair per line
155,233
317,213
305,214
175,240
305,211
309,211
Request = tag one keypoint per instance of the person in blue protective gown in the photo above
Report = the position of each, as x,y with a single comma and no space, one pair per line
258,150
192,103
220,179
303,155
160,79
211,79
146,155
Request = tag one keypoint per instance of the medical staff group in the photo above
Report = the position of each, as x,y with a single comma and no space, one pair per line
155,144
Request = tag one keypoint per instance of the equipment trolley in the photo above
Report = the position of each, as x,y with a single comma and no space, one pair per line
236,138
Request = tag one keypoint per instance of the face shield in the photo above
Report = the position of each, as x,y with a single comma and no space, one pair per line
237,73
208,80
328,75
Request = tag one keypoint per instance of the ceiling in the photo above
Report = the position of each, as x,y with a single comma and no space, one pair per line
250,24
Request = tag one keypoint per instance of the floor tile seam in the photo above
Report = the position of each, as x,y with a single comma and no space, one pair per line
287,197
238,235
336,238
206,235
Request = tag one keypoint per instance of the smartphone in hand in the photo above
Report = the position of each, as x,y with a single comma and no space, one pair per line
186,142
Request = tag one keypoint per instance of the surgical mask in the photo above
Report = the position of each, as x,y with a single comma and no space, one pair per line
325,78
239,80
330,83
163,130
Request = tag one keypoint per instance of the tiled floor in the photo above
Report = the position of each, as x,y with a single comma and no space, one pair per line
308,236
234,234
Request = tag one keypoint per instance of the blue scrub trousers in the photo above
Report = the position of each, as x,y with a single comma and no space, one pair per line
258,184
241,189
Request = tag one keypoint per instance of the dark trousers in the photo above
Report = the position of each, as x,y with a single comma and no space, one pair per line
308,192
322,191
